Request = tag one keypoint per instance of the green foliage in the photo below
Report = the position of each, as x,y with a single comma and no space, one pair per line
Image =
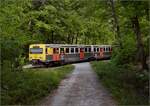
127,54
127,85
23,22
71,21
28,86
14,36
135,8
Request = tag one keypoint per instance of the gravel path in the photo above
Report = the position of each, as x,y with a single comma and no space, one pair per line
81,88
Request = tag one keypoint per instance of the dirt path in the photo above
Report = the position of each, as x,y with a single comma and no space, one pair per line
81,88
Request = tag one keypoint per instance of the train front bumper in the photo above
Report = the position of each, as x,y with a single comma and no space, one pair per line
36,61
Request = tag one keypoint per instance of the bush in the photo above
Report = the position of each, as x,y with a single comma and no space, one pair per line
28,86
127,85
126,54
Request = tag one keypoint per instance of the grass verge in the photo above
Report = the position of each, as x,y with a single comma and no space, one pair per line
127,85
28,86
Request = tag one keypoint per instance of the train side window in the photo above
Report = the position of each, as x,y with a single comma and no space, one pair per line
56,50
61,49
94,49
85,49
46,50
107,49
89,49
76,50
72,50
97,49
111,49
104,49
67,50
101,49
50,51
81,49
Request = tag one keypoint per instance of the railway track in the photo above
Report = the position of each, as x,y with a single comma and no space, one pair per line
31,66
40,66
57,65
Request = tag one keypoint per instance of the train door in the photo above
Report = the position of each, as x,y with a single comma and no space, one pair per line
56,56
81,53
110,49
49,53
62,55
101,52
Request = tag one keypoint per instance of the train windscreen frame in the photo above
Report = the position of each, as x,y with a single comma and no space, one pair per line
36,50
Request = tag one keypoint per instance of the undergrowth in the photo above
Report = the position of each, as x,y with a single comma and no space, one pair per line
127,85
30,85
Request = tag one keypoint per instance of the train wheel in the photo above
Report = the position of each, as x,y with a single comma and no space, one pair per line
46,65
62,62
50,64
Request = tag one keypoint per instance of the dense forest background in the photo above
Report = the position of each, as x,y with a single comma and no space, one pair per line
123,24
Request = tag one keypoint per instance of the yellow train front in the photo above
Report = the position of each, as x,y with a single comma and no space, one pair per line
37,53
48,54
45,54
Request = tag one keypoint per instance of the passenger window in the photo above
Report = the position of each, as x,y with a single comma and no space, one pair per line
97,49
81,49
107,49
49,51
85,49
56,50
72,50
77,50
110,49
89,49
46,50
104,48
61,49
67,50
94,49
101,49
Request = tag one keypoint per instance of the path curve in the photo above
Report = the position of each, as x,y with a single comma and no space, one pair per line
81,88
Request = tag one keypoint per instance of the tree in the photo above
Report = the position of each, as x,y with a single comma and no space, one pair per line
116,23
135,11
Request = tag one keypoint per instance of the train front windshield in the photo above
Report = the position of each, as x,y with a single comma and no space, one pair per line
36,50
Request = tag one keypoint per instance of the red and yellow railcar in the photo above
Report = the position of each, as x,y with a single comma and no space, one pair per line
62,53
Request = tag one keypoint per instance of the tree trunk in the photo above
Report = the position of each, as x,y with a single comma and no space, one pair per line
147,11
147,14
116,23
68,39
77,38
52,37
85,40
72,39
140,47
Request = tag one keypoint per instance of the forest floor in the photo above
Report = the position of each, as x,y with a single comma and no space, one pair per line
80,88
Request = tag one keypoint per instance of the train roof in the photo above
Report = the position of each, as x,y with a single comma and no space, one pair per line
69,45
